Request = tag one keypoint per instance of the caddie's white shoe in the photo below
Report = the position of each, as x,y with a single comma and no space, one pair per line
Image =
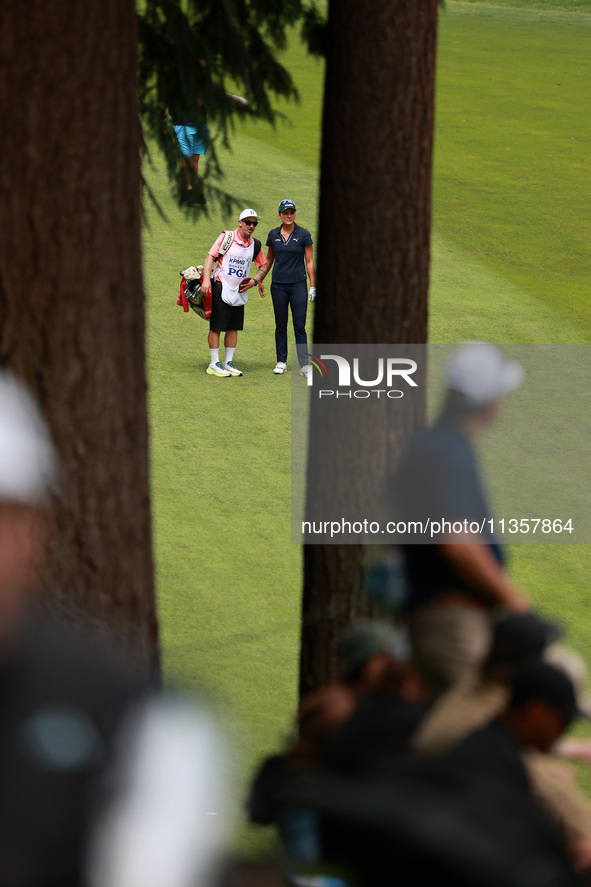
216,369
231,368
280,368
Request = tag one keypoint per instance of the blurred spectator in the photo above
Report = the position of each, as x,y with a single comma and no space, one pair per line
364,658
385,718
62,693
542,705
456,578
465,818
101,781
519,639
365,654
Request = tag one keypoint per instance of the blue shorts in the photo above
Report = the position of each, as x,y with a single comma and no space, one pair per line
189,139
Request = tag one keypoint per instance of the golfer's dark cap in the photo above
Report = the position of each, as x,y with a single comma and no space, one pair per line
540,680
521,636
286,204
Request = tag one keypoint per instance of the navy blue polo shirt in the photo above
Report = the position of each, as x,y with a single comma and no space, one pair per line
439,479
290,265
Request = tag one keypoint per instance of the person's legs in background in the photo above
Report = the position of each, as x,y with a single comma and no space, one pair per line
192,143
191,167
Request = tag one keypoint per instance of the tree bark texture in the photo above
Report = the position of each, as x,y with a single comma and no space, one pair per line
375,199
71,296
373,263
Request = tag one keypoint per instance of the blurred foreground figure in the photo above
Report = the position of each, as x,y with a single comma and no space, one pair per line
62,695
466,818
454,567
371,710
366,654
519,639
96,773
166,819
385,718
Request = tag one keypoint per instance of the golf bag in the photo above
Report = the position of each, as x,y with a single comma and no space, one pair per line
190,294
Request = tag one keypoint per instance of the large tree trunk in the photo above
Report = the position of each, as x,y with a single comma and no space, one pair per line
71,297
373,247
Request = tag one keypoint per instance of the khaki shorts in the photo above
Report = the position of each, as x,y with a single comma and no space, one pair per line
450,642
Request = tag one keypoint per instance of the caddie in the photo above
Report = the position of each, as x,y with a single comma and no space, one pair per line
234,252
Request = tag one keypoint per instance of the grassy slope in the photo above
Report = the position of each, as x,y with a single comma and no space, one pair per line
228,577
520,7
511,190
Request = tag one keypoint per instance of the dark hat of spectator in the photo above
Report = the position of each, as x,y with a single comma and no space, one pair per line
521,636
542,681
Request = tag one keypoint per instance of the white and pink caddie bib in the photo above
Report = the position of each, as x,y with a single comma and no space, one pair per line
234,266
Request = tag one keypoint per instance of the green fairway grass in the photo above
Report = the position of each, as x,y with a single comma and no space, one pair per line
513,146
519,8
510,263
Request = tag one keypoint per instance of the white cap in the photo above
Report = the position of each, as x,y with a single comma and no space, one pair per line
248,214
480,372
28,461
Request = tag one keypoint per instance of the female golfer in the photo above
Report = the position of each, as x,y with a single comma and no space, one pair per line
290,248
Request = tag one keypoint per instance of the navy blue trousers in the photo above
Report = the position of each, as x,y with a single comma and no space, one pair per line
294,295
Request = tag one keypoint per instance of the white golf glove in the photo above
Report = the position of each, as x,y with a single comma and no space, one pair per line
312,294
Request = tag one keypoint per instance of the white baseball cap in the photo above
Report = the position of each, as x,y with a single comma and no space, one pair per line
481,373
248,214
28,461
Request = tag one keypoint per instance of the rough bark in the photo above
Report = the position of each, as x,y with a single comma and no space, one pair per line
373,249
71,297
